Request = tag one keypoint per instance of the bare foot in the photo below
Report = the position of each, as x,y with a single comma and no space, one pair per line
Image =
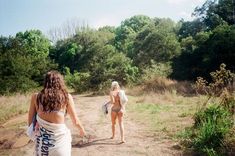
112,137
123,141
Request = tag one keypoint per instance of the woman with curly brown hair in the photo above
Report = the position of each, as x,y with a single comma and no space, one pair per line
50,106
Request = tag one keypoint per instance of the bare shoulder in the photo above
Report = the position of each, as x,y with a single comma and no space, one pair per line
34,96
70,98
34,99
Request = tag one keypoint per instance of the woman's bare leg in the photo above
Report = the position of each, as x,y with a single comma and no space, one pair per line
121,125
113,118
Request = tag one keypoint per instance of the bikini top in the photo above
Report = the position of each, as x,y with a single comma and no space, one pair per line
61,112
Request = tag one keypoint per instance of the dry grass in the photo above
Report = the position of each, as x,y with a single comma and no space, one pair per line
13,105
162,85
164,114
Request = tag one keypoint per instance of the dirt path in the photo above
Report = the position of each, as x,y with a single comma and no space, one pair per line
98,127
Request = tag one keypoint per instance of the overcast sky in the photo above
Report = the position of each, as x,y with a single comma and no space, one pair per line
21,15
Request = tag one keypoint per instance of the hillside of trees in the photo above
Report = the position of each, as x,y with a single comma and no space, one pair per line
139,47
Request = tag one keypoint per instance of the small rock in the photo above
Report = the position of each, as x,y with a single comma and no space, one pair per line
176,146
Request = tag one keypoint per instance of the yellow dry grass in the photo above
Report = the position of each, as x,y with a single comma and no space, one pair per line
11,106
162,85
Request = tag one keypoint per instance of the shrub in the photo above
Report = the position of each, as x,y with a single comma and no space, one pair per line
221,79
78,81
156,70
211,126
215,112
214,122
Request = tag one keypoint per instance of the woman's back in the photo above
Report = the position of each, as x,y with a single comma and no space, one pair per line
116,102
55,116
50,105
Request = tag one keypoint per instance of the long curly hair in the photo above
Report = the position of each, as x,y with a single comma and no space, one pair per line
54,95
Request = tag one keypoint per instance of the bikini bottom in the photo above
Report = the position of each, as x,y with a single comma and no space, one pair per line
117,109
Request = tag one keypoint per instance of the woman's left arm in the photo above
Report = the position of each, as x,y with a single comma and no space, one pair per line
32,109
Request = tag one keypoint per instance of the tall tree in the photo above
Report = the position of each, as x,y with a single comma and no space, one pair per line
190,28
216,12
127,31
205,52
23,61
157,42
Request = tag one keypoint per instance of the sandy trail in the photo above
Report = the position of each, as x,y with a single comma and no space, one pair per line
98,127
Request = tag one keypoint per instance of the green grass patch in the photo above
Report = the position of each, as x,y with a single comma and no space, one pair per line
150,115
149,108
163,114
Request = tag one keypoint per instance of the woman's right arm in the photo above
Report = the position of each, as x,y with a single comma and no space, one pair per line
73,115
32,109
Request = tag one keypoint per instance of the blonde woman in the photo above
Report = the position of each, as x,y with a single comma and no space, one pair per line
118,100
50,107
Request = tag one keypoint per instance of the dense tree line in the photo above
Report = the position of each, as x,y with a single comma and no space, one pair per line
23,61
207,41
140,46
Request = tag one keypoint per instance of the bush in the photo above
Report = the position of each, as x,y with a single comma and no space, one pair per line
78,81
214,123
156,70
221,79
214,112
211,126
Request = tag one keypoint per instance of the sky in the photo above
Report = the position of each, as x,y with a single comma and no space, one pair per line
22,15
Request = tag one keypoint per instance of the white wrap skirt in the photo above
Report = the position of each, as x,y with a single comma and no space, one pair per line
52,139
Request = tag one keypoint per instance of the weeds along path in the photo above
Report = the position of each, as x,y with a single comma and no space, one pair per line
98,128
